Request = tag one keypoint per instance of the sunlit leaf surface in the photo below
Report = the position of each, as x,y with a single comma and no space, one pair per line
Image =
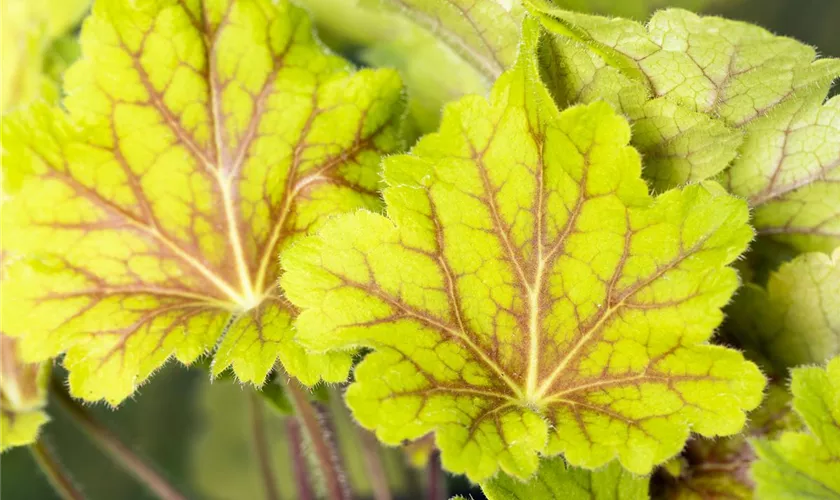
202,139
526,295
805,464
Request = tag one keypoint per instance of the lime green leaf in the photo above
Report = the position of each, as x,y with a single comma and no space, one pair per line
679,144
527,296
800,464
59,56
23,396
443,49
724,80
719,468
789,169
202,140
796,320
637,9
26,52
555,479
483,32
431,71
730,69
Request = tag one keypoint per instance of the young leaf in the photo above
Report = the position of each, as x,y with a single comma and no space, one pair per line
526,295
203,138
800,464
555,479
23,396
796,320
724,80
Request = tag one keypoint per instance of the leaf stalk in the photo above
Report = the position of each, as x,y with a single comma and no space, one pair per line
311,422
261,447
58,477
110,445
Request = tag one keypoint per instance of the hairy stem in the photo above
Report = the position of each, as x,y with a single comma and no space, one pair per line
312,423
437,481
109,444
56,474
304,488
374,466
261,447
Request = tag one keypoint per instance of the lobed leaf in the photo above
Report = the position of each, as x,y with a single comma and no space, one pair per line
555,479
800,464
731,88
796,320
720,468
202,139
789,170
526,296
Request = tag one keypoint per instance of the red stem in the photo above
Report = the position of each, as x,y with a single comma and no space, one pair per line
304,487
322,447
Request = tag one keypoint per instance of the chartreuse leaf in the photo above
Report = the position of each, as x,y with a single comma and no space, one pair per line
679,144
732,69
443,49
789,169
637,9
432,72
526,296
730,88
27,52
485,33
202,139
720,468
796,319
555,479
805,464
23,396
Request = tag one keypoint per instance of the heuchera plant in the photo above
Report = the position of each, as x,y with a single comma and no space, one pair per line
594,274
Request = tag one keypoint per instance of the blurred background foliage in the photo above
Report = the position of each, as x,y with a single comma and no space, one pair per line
199,433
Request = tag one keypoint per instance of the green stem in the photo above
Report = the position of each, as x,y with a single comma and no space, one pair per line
261,447
322,447
109,444
56,474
